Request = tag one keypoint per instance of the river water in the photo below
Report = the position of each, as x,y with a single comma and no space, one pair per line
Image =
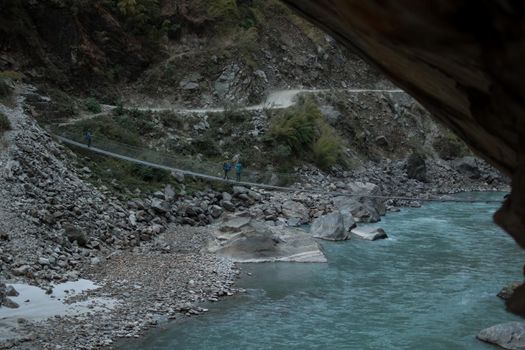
431,285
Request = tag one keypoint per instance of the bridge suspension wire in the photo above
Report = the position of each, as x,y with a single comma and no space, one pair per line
98,149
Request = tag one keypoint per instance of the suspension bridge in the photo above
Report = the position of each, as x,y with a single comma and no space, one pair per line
209,171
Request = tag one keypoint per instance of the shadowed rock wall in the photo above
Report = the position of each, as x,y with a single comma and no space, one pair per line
463,60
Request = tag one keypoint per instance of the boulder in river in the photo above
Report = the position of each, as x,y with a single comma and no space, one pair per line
361,212
259,242
510,335
369,233
330,227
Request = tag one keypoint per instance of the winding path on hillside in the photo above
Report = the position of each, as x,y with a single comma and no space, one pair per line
279,99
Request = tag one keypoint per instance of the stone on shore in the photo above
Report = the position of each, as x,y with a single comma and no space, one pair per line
509,335
10,291
369,233
259,242
10,303
229,206
293,209
330,227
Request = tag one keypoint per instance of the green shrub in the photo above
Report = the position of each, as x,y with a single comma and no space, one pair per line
119,110
92,105
303,132
327,149
4,123
297,128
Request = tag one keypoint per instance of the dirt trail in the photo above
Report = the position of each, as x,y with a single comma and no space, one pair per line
279,99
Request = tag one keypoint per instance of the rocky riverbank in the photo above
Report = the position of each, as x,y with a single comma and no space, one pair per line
151,255
56,228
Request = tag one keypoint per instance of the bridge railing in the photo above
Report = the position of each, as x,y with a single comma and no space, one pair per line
172,160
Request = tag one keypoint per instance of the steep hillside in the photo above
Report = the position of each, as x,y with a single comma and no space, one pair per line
177,54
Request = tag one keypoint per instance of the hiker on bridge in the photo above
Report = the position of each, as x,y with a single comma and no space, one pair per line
226,167
238,170
88,137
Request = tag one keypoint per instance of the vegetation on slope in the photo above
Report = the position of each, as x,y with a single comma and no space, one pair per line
303,132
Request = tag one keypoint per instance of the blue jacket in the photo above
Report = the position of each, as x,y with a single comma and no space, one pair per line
238,167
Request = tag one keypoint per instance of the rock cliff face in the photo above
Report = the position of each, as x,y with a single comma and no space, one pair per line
460,59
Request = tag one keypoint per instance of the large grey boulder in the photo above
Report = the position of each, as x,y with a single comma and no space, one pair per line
259,242
293,209
330,227
509,335
364,191
369,233
348,219
361,212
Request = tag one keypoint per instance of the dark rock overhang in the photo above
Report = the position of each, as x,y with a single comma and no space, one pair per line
463,60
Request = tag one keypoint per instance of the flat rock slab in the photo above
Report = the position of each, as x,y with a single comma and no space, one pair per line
259,242
509,335
369,233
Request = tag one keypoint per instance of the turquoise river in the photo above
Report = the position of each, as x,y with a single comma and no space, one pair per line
431,285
